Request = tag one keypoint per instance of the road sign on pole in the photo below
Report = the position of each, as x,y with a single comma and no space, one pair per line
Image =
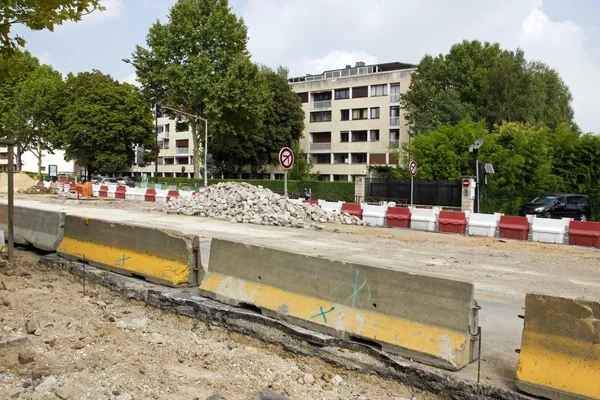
466,182
286,160
412,168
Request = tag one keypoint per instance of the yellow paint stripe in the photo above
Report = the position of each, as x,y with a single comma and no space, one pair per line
549,361
440,343
171,271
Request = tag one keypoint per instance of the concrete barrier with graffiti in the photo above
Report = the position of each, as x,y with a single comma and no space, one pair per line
426,318
158,255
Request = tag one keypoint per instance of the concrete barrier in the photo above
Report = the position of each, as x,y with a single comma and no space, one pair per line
423,219
548,230
560,348
374,215
160,256
421,317
331,206
38,228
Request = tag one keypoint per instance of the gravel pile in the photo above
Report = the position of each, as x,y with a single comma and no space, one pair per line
38,190
243,202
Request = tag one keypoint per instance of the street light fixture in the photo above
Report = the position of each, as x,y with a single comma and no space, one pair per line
157,111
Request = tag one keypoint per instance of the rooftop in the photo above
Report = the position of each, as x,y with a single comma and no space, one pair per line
359,69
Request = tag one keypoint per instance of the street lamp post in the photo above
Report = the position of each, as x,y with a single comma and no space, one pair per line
156,108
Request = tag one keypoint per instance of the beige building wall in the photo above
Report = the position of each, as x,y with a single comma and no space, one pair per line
341,159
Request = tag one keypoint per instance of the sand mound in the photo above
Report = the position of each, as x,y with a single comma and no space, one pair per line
22,182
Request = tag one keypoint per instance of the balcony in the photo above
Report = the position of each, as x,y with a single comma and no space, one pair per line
395,98
166,134
182,150
394,121
320,146
321,105
394,143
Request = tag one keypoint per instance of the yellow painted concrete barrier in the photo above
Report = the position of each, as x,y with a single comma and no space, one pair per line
421,317
560,349
158,255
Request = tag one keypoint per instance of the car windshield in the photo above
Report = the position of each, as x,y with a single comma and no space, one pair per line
545,199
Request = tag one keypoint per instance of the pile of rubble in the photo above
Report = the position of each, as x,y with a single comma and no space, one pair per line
37,190
242,202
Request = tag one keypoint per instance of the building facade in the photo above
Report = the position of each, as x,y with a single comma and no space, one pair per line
353,117
176,149
29,162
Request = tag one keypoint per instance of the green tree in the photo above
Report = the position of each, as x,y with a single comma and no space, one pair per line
198,62
102,120
34,119
485,82
284,118
303,165
36,15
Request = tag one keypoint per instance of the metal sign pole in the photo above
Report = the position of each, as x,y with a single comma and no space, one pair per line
285,192
477,179
10,143
411,189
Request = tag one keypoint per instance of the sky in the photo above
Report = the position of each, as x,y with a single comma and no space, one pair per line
311,36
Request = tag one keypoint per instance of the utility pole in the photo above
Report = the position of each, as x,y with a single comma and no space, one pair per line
11,198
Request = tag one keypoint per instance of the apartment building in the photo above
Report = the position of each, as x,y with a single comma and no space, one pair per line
175,157
29,162
353,117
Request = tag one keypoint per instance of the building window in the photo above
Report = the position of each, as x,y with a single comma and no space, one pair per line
377,159
359,113
360,91
169,160
395,93
345,115
320,116
359,158
341,94
166,144
321,96
378,90
344,137
375,113
181,127
340,178
321,158
303,97
374,135
160,129
359,136
340,158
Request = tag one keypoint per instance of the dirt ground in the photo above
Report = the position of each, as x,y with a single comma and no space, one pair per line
99,345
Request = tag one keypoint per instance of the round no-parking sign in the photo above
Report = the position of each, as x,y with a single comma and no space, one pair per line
286,158
413,168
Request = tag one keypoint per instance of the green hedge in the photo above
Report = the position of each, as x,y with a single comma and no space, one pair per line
329,191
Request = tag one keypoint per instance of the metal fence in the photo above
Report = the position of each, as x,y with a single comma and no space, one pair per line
509,201
431,193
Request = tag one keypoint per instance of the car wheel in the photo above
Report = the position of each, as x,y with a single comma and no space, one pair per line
547,214
583,217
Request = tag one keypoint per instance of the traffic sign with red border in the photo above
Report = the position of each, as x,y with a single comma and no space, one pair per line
466,182
286,158
413,167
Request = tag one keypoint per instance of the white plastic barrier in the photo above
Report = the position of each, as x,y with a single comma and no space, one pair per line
111,191
423,219
331,206
140,194
482,225
186,194
161,195
548,230
130,194
374,215
96,190
47,184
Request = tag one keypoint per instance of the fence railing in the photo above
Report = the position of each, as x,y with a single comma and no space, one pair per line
182,150
394,121
432,193
320,146
321,105
395,98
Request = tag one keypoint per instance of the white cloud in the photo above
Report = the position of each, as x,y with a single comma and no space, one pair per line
561,45
132,79
310,36
114,9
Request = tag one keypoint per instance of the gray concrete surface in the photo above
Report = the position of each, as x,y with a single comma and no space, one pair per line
502,271
134,242
353,296
42,229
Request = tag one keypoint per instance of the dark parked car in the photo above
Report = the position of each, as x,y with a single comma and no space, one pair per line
575,206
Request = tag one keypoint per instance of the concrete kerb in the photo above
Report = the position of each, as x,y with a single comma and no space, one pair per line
185,301
425,318
162,256
560,350
41,229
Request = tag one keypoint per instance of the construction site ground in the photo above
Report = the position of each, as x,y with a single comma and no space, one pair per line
503,270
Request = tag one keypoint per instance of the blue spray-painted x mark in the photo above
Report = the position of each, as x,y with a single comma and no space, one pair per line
323,313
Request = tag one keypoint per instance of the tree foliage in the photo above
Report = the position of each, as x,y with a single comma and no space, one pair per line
33,120
525,157
102,120
485,82
303,165
36,15
198,62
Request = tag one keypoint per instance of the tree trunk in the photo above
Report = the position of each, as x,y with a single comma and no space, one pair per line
196,142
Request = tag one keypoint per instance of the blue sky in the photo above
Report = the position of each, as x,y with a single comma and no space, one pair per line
310,36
